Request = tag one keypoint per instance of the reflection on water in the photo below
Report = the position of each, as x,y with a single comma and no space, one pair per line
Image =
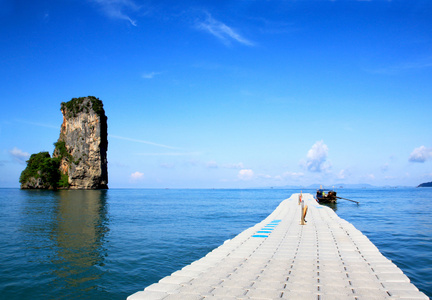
79,234
56,245
332,205
63,243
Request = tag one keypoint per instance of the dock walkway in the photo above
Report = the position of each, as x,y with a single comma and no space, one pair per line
280,259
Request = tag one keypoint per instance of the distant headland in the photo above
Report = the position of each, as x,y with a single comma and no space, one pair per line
79,160
426,184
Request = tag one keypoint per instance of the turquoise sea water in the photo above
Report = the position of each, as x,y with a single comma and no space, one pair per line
110,244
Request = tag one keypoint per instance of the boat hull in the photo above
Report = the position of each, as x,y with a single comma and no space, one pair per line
326,196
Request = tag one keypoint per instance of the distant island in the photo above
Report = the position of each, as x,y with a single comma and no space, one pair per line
426,184
79,160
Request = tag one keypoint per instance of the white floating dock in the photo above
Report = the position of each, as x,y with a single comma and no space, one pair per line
280,259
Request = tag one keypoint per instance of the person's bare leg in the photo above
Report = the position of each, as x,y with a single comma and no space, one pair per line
304,213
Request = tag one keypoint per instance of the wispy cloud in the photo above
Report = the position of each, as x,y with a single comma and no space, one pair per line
212,165
140,141
385,167
343,174
222,31
19,155
37,124
118,9
420,154
169,154
270,26
292,175
46,17
150,75
369,176
402,67
167,166
234,166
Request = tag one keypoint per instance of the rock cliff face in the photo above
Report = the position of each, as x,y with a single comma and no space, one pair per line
80,156
83,143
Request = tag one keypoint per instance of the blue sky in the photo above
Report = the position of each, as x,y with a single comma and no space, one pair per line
225,94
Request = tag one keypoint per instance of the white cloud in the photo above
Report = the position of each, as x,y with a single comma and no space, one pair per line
137,176
385,167
116,9
140,141
37,124
167,166
343,174
150,75
19,155
169,154
234,166
223,32
245,174
397,68
46,17
292,175
420,154
265,176
212,165
370,176
317,157
192,162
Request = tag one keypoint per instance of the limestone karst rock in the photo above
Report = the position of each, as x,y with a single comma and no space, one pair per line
83,136
80,156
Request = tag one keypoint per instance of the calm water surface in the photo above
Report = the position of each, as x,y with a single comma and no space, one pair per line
110,244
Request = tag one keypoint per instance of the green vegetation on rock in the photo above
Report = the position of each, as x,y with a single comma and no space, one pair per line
42,167
75,106
66,169
60,146
60,149
61,152
64,181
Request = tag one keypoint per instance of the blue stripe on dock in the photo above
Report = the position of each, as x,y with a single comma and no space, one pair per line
333,249
267,228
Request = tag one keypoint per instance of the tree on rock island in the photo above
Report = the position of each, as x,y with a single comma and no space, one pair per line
80,156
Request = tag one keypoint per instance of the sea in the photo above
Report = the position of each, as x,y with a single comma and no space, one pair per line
108,244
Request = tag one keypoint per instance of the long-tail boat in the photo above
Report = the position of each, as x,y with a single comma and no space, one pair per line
326,196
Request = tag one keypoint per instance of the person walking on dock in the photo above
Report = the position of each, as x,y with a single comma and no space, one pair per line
304,209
